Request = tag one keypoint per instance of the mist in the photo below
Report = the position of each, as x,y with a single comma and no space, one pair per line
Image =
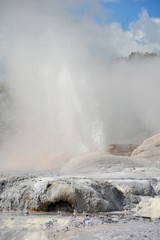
71,87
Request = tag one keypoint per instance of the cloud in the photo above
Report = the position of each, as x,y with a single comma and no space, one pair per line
111,40
146,31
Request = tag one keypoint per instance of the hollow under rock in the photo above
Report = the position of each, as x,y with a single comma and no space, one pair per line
62,206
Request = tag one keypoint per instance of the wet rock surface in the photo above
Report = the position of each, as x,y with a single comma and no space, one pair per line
101,226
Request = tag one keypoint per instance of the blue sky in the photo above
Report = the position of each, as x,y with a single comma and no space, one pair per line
126,11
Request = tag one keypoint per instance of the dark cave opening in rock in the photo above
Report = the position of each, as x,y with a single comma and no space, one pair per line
62,206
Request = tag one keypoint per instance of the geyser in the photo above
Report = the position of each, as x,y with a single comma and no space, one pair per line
65,96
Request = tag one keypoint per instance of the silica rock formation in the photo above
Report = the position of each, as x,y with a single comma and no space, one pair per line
92,182
150,150
49,194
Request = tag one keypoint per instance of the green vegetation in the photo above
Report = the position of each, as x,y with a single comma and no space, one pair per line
142,55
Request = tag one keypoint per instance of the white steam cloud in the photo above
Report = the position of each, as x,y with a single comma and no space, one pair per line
68,93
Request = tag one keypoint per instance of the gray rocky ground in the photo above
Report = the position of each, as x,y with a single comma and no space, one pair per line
95,196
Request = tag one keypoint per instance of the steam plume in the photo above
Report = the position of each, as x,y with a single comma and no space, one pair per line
67,92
